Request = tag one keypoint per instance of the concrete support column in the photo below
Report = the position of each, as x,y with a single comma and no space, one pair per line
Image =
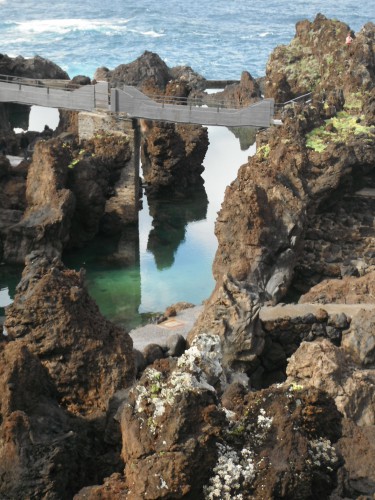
122,208
124,205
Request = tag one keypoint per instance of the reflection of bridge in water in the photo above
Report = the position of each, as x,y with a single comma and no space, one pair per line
67,95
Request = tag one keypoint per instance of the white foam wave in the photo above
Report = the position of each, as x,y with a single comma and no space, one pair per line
63,26
266,33
152,34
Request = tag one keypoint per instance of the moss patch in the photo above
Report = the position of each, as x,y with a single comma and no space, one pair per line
341,128
301,65
354,101
264,152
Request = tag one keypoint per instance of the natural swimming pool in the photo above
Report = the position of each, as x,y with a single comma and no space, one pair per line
172,252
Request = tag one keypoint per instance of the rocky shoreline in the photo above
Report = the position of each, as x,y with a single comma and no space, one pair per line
272,394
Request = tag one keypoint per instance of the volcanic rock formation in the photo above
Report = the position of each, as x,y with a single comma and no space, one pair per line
212,423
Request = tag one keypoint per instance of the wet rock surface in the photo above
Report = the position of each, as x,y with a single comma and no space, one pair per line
237,95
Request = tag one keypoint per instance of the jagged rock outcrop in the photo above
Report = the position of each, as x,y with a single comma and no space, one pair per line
35,67
262,222
172,155
312,161
148,70
87,357
300,439
317,58
46,221
68,185
60,363
255,445
322,365
150,73
100,163
44,451
338,371
238,95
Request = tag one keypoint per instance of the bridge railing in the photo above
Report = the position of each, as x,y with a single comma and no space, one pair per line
207,101
302,99
39,82
54,93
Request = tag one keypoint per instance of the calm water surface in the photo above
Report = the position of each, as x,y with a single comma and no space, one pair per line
175,246
171,253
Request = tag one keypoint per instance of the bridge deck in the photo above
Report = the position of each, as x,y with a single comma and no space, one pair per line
129,100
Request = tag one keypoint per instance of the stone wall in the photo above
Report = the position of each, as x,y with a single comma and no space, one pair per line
287,326
124,206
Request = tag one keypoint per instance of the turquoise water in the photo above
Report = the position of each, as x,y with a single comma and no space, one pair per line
173,250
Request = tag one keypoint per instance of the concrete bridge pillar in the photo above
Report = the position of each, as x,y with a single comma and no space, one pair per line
123,207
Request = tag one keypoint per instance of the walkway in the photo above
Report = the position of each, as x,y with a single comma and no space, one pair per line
279,311
66,95
159,333
137,105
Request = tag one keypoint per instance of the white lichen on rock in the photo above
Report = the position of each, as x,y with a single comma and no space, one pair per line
197,369
249,429
234,471
264,422
203,359
322,454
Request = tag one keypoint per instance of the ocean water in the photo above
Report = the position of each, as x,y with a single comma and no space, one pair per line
219,39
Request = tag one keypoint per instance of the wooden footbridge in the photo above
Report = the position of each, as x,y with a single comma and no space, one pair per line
64,94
